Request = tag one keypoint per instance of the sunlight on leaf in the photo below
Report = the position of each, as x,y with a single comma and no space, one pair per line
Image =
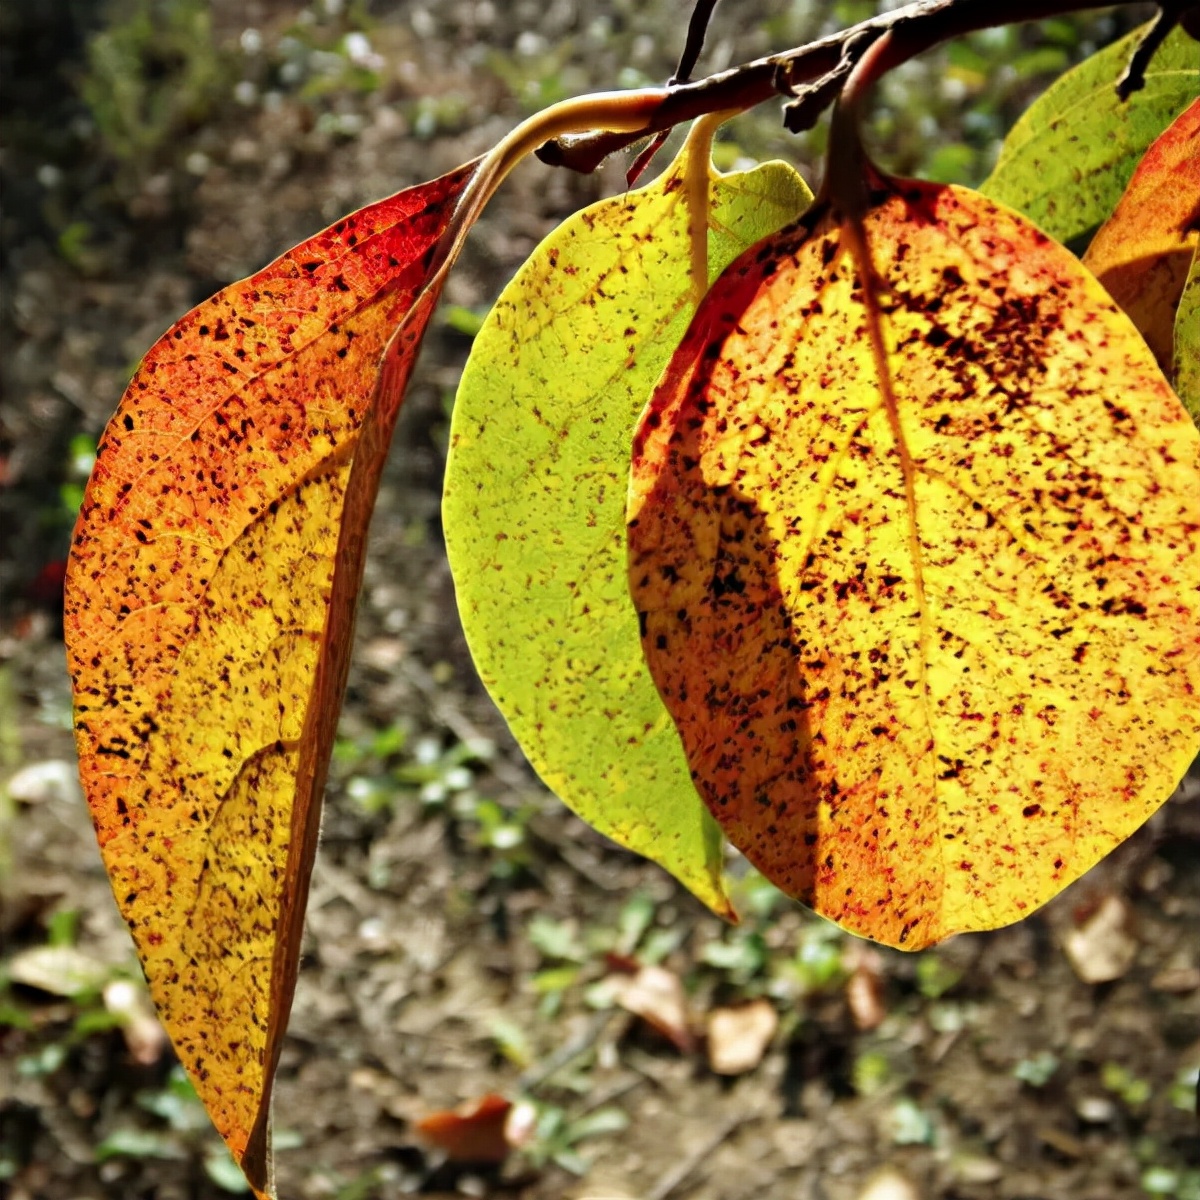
206,658
1143,252
535,495
1067,160
917,565
1187,342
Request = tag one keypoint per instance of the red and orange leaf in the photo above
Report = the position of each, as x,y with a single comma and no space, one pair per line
1143,252
473,1132
917,564
208,631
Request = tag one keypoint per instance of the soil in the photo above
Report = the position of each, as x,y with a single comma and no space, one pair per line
986,1068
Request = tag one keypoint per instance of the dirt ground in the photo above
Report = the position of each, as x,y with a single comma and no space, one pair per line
460,918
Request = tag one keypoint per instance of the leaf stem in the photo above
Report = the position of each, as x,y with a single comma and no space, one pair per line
697,181
623,114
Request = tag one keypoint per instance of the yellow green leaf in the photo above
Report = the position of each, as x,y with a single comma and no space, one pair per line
1066,162
208,632
1187,342
915,549
535,494
1143,252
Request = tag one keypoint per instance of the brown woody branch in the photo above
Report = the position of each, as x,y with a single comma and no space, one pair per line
812,73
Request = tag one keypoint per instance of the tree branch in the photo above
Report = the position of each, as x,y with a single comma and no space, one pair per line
810,72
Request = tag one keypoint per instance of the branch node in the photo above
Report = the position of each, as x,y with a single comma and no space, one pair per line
809,102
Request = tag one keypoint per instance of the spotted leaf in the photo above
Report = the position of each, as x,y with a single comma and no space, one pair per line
208,629
1066,162
1187,341
913,541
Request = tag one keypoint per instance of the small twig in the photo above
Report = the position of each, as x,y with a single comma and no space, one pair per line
536,1075
810,101
622,1087
1134,77
675,1176
694,44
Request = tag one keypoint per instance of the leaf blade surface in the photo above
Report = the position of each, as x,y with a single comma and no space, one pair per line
1065,163
535,492
1187,342
927,625
200,629
1143,252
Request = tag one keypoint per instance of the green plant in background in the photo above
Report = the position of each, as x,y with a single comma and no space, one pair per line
537,74
935,976
1168,1182
555,1136
1038,1070
181,1129
383,769
1127,1085
81,459
153,73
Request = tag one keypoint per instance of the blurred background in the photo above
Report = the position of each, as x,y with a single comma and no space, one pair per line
467,936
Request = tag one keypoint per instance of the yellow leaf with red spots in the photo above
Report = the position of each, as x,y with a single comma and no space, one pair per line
914,523
1143,252
208,631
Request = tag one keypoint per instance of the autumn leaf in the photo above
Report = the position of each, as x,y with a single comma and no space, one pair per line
1143,252
211,596
474,1132
207,648
1066,162
1187,341
535,495
738,1036
657,996
210,604
913,539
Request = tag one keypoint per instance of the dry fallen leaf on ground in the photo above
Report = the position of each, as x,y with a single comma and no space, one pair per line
1102,947
656,995
472,1132
864,989
738,1037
